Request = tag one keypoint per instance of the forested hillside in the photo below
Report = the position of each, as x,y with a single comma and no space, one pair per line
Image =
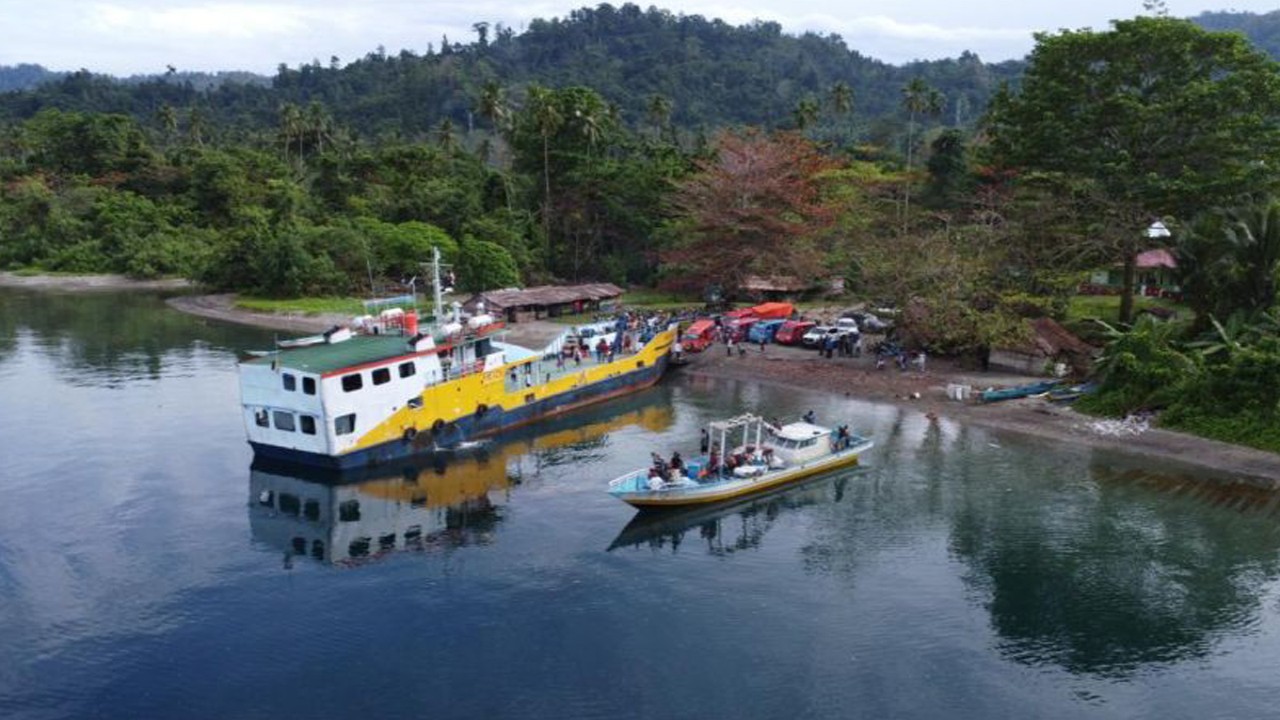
25,76
711,73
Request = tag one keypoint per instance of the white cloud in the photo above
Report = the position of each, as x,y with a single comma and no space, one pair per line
130,36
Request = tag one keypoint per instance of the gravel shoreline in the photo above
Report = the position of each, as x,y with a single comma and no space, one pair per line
924,392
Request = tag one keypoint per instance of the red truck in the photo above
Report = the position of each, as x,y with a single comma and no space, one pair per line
698,336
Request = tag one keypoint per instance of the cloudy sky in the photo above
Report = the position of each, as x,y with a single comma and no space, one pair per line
143,36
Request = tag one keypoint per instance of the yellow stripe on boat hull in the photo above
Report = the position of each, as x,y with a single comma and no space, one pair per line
456,399
680,500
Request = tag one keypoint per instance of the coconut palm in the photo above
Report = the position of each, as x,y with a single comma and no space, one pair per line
918,99
659,113
805,113
841,97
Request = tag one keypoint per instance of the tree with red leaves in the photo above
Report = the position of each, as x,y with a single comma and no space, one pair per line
756,207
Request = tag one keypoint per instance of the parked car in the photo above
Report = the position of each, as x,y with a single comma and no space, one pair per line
869,322
792,332
816,335
847,325
764,331
698,336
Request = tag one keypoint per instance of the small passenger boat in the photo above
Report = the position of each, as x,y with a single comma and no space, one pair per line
766,456
1019,391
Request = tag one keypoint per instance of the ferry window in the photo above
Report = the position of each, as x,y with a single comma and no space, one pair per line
415,403
260,417
283,420
408,369
381,376
359,547
418,501
317,549
308,424
309,385
290,504
311,510
290,382
349,511
351,383
809,442
299,545
413,533
344,424
387,542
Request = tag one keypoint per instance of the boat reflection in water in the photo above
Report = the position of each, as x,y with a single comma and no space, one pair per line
734,525
437,503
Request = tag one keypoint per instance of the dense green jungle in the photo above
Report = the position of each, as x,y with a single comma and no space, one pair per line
670,151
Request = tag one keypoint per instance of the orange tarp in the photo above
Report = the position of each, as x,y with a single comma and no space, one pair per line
773,310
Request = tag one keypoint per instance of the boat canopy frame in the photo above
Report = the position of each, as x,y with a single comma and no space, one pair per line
747,423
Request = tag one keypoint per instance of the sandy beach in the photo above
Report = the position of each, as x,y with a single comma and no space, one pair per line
925,392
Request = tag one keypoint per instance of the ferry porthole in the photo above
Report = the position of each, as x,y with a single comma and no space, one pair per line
481,409
437,426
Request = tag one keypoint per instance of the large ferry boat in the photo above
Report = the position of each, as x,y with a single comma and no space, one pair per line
350,399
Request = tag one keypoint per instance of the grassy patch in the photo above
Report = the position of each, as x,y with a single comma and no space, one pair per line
657,299
305,306
1107,307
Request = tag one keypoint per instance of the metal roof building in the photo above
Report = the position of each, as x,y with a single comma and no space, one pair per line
544,300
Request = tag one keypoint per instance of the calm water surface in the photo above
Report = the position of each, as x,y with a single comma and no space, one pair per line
149,570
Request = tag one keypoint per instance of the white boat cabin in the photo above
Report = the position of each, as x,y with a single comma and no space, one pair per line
323,398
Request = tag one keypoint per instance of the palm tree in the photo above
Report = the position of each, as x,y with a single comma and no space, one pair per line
444,135
195,126
547,120
918,98
841,99
1229,262
492,104
290,128
168,118
659,113
318,123
805,113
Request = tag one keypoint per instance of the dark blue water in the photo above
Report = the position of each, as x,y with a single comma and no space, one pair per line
959,574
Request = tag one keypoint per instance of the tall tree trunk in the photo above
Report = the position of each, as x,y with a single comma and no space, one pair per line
546,198
1126,289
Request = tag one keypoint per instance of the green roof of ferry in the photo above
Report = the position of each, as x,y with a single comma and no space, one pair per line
325,358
